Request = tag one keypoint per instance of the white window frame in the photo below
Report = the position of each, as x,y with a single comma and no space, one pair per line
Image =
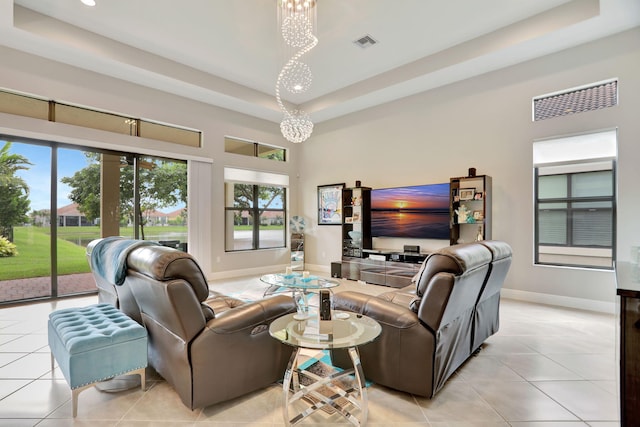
569,155
258,178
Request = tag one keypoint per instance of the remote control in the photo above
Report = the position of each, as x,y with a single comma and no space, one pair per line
325,305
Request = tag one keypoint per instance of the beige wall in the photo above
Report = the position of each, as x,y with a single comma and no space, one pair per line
484,122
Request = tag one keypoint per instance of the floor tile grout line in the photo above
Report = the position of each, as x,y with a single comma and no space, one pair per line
558,403
18,389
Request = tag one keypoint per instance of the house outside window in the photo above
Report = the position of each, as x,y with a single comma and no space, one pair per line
575,200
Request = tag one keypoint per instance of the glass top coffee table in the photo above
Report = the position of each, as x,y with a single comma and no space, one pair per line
344,391
300,285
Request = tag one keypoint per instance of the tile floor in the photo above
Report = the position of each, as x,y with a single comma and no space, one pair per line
547,366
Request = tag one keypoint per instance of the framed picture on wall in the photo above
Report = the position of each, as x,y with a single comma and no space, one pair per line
330,204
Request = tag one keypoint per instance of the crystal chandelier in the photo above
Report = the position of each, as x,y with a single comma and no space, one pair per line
297,23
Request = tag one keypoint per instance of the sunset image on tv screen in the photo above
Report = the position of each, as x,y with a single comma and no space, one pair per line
420,211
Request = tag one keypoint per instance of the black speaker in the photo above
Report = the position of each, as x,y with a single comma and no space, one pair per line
336,269
325,304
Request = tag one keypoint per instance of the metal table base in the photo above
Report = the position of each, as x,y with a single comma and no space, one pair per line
356,396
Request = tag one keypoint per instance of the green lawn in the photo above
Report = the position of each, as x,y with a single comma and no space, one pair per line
34,257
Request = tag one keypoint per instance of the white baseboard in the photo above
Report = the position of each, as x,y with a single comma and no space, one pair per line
571,302
318,268
562,301
257,271
254,271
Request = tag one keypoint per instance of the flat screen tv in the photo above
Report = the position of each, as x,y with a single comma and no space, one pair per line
418,212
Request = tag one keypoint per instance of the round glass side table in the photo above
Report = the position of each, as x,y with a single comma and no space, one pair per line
346,330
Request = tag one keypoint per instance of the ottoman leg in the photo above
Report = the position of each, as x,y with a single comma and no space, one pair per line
74,398
142,373
76,391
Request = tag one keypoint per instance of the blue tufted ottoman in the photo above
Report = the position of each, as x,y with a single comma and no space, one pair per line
95,343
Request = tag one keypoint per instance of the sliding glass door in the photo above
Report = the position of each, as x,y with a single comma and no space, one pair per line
78,203
25,221
45,228
161,195
153,200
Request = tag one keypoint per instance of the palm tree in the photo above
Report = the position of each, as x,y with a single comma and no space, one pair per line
14,191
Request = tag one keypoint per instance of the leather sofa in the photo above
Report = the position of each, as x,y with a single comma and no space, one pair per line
431,328
208,346
487,312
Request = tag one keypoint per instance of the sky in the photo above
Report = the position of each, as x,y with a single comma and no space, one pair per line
38,176
434,196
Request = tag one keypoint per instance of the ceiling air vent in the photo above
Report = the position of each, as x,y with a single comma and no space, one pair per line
365,41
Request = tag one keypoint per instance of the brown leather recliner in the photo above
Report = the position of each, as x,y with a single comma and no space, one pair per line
487,314
209,347
429,331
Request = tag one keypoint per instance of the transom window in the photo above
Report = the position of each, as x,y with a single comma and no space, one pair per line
254,149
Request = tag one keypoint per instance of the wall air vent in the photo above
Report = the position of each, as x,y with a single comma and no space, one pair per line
578,100
365,41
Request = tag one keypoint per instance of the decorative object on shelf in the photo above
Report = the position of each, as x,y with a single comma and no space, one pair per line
478,196
297,224
462,213
477,215
356,236
297,24
467,193
479,236
330,204
296,227
472,172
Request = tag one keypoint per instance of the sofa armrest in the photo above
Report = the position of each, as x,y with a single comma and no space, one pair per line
253,314
385,312
405,297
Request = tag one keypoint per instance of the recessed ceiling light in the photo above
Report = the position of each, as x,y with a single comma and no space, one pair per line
89,2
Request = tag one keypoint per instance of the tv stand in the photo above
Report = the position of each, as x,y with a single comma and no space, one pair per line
388,268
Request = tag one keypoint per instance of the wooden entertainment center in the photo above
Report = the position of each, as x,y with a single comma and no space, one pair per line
469,220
